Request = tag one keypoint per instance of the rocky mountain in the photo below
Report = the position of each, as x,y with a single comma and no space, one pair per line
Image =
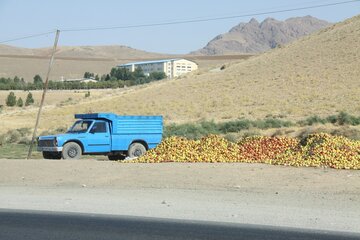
255,37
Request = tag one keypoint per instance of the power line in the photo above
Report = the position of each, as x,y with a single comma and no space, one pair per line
182,21
206,19
25,37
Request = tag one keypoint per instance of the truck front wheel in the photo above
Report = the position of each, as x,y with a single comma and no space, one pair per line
71,150
136,150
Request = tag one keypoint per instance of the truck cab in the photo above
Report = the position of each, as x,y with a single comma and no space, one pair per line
107,134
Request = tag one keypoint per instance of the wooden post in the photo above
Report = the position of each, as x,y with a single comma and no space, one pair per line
44,93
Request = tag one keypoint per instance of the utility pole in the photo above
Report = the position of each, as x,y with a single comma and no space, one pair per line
44,93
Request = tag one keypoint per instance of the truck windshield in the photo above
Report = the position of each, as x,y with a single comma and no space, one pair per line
80,126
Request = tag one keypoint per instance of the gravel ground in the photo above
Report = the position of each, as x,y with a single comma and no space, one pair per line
314,198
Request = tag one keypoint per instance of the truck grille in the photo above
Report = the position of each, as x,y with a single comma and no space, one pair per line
46,143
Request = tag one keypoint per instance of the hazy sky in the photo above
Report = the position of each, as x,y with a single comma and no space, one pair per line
25,17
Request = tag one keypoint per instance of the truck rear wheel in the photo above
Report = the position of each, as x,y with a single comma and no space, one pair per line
71,150
51,155
136,150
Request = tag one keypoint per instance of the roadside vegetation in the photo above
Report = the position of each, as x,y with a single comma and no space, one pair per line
342,124
252,127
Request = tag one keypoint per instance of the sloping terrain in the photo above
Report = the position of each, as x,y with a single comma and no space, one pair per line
255,37
318,74
71,62
111,51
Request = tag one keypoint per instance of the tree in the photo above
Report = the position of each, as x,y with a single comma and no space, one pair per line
16,79
20,102
89,75
138,73
11,100
29,99
121,73
38,79
157,75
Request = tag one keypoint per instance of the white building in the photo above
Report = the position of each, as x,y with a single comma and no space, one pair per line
82,80
171,67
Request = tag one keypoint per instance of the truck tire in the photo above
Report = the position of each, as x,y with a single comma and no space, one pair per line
136,150
51,155
71,150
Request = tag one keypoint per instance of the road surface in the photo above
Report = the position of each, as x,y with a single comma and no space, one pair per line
256,194
30,225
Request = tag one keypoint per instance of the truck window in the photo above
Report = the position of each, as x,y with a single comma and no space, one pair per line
80,127
99,127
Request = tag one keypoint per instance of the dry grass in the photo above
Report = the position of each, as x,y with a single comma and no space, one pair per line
54,97
318,74
73,62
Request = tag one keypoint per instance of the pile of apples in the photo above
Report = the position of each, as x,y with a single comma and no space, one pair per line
317,150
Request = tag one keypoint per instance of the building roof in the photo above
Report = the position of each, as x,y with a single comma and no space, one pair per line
153,61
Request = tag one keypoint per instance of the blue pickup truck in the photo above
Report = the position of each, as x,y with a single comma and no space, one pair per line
107,134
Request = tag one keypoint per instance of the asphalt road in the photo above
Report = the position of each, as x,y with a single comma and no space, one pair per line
16,225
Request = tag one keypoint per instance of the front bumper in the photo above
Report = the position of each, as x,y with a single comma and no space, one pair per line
49,149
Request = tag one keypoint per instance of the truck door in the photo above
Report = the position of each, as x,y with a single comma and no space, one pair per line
98,138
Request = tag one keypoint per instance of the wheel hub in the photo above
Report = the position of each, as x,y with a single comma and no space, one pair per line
137,152
72,152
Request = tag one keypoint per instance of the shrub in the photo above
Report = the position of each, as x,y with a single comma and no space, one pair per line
271,123
29,99
11,99
312,120
24,140
341,119
20,102
188,130
2,139
24,131
345,118
235,126
13,136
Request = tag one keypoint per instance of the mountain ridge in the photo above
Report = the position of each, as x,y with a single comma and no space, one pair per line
256,37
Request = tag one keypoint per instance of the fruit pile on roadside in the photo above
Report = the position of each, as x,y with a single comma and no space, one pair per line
317,150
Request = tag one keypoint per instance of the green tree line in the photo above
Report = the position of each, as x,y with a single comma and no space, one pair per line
117,78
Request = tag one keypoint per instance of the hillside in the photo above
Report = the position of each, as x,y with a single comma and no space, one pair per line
110,51
71,61
318,74
255,37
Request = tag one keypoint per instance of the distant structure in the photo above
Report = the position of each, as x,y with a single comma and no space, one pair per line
171,67
81,80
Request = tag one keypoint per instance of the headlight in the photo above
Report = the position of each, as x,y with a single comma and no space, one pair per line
55,142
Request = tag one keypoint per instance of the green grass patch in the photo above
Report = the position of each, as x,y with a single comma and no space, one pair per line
17,151
203,128
200,129
341,119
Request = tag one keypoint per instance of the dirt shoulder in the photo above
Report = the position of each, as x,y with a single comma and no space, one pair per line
313,198
245,177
